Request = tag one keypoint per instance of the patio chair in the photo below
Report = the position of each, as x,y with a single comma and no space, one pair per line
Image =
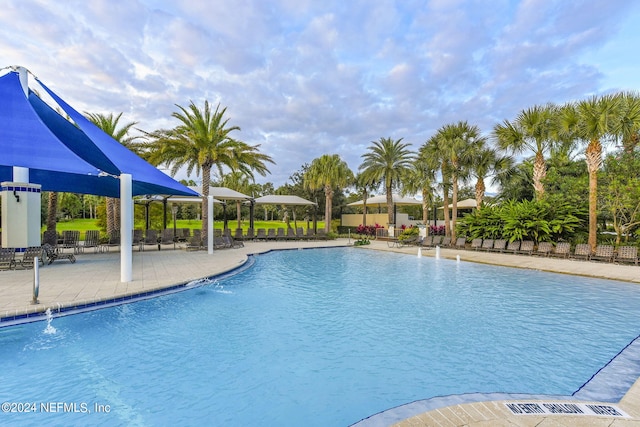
582,251
150,238
7,258
311,235
114,240
427,242
51,254
526,247
250,235
513,247
239,234
476,244
184,234
321,234
29,256
71,240
446,242
167,238
499,245
487,245
300,233
544,249
221,242
280,234
261,234
627,254
137,238
461,242
230,242
603,253
92,240
291,234
271,234
562,250
194,243
436,241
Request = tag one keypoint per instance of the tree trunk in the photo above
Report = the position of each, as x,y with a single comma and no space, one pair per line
328,193
425,207
109,212
364,208
594,161
116,214
206,182
239,213
390,215
539,173
52,210
480,189
454,208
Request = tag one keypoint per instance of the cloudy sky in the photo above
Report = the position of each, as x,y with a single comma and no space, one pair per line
304,78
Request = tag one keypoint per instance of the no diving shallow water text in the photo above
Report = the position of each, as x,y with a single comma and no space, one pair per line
559,408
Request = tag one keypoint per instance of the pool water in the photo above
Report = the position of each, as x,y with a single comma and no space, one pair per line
321,337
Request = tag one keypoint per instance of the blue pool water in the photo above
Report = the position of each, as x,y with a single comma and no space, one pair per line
318,338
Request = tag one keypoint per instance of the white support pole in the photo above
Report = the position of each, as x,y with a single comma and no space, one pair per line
210,228
126,225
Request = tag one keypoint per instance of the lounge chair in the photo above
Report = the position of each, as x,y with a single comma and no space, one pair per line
513,247
627,254
408,241
427,242
476,244
526,247
461,242
92,240
71,240
280,234
137,238
239,234
271,234
261,234
29,256
300,233
603,253
219,242
150,238
114,240
184,235
446,242
487,245
291,234
194,243
436,241
230,242
51,254
499,245
311,235
544,249
321,235
7,258
250,235
167,238
582,251
562,250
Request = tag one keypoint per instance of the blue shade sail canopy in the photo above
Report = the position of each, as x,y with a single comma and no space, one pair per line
64,157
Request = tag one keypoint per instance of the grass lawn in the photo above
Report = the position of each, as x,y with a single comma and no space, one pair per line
90,224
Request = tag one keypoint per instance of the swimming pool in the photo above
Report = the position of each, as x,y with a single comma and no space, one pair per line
319,337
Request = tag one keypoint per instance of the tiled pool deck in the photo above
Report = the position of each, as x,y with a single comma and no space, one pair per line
96,277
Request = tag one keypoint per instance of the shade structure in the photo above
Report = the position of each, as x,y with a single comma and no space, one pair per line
276,199
464,204
382,199
61,156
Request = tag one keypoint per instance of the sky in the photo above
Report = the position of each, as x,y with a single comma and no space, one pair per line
303,78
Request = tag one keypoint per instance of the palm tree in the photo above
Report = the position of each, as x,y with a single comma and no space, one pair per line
533,129
487,161
593,121
239,182
454,145
109,125
629,120
364,187
327,172
421,179
202,142
387,161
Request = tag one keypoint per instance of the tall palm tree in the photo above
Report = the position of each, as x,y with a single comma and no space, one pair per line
364,187
327,172
454,145
594,120
202,141
387,161
487,161
533,129
421,179
110,125
432,152
629,120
